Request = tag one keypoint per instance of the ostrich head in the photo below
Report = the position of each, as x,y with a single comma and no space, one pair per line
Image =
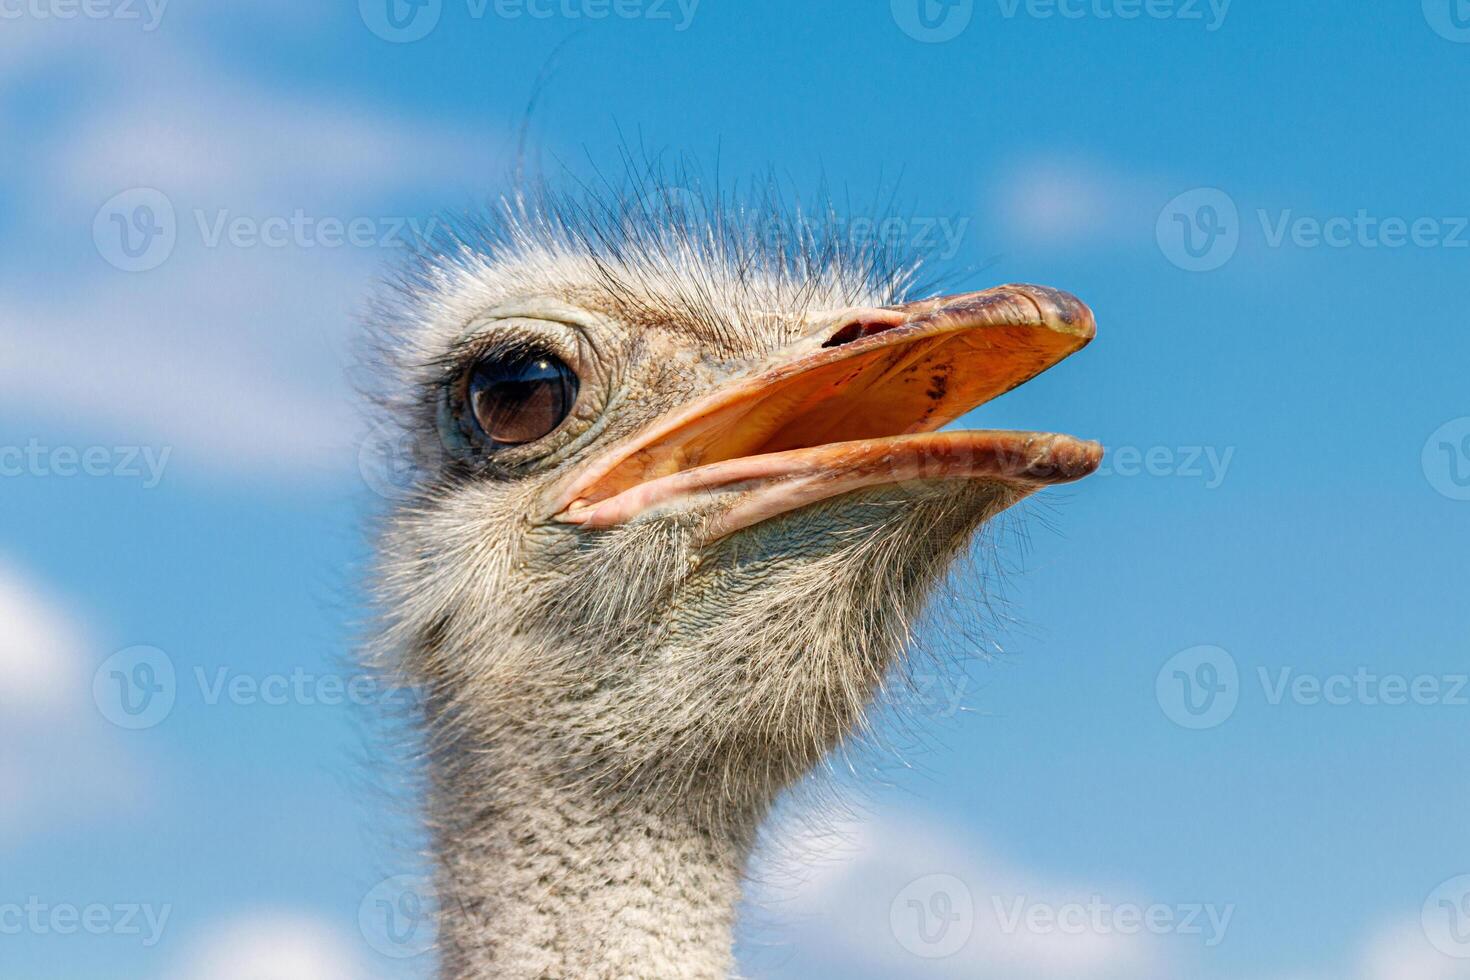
682,493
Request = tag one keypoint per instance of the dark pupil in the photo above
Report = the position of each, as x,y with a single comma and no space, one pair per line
518,400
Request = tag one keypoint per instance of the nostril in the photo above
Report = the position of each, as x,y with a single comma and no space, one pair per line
857,330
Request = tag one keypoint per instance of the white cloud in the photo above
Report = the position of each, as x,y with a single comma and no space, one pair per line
210,145
235,357
271,946
1396,950
1061,201
48,725
40,650
232,397
852,901
136,35
1402,951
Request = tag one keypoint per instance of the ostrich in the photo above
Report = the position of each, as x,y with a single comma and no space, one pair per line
680,498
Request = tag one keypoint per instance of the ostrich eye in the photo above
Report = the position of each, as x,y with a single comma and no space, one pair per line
520,398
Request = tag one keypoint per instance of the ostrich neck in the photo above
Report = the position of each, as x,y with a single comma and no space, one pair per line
540,876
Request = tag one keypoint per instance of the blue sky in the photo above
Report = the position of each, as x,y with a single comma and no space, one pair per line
1232,680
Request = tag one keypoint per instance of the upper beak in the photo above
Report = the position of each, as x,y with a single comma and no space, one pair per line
848,408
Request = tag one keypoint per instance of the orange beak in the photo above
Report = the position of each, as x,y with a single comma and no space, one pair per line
853,406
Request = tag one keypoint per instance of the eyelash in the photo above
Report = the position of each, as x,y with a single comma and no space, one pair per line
457,364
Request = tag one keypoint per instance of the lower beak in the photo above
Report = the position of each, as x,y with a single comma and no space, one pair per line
853,406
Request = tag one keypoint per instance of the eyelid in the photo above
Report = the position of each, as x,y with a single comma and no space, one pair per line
506,344
579,333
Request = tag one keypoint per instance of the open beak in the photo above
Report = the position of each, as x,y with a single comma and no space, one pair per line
853,406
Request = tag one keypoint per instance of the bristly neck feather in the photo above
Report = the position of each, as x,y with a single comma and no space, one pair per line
544,874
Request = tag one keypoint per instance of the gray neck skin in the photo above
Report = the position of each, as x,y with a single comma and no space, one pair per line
539,876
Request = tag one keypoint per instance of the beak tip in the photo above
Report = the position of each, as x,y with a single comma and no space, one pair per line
1063,459
1060,311
1089,459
